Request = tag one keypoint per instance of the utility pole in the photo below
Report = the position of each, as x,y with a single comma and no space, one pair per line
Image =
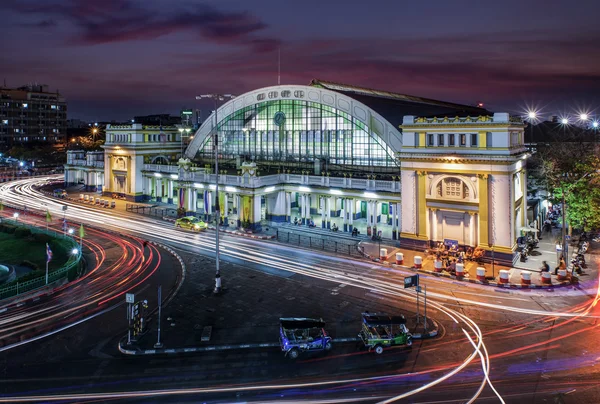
216,98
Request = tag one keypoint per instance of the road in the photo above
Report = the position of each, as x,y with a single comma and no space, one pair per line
511,346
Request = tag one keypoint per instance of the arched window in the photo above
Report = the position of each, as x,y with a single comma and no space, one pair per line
452,188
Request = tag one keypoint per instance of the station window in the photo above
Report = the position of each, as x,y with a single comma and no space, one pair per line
430,139
473,139
441,140
463,140
451,139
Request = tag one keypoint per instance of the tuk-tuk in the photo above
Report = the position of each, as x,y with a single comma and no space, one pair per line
301,335
381,330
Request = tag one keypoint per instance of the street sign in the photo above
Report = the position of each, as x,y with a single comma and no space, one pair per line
568,237
64,207
411,281
129,298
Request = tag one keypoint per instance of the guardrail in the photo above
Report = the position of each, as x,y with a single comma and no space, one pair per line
151,210
320,242
56,275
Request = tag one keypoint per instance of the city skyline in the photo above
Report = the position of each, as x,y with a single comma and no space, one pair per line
118,58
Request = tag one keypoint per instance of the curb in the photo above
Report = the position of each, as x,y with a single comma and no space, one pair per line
464,279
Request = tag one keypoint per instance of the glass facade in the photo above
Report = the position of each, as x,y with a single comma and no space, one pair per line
294,130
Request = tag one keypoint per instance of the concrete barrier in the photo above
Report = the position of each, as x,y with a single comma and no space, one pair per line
399,258
437,266
81,197
86,198
503,277
383,254
418,261
562,275
460,270
546,278
525,278
481,274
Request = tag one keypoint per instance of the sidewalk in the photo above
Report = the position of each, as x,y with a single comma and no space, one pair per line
371,250
246,314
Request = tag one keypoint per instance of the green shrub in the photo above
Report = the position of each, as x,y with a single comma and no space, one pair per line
30,264
42,237
22,232
8,228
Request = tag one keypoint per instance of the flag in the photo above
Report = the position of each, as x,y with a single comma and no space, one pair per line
81,231
181,197
48,253
206,201
48,217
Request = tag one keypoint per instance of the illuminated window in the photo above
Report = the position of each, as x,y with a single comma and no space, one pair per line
5,121
463,140
451,139
25,105
52,106
441,139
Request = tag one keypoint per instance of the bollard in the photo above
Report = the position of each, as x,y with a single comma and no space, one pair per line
399,259
460,271
503,278
97,201
437,266
86,198
562,275
383,254
525,278
481,274
81,197
418,261
546,278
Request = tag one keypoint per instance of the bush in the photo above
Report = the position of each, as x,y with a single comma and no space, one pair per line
42,237
8,228
30,265
22,232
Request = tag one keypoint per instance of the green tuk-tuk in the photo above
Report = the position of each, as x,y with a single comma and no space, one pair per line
380,331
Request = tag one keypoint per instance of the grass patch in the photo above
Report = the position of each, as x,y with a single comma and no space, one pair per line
15,250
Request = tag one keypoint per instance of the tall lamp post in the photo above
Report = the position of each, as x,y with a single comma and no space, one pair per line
216,98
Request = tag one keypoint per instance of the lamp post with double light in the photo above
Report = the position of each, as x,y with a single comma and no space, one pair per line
182,131
216,98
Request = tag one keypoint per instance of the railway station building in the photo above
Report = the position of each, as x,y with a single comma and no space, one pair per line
417,170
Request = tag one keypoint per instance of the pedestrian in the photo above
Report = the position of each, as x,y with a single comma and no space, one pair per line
545,267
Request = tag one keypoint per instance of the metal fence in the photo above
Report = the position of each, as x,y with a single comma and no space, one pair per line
56,275
151,210
319,242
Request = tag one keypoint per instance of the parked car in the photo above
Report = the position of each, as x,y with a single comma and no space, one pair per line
380,331
298,335
190,223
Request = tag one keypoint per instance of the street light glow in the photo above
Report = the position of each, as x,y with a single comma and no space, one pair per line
15,215
565,121
531,114
583,117
71,231
595,124
75,251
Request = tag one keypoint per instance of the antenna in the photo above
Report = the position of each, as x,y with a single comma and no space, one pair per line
279,66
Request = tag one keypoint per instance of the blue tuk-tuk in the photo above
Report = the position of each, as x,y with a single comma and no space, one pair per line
302,335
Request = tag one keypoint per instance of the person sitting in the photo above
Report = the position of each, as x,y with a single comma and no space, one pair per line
311,223
296,221
469,254
334,227
451,267
561,265
453,250
354,232
545,267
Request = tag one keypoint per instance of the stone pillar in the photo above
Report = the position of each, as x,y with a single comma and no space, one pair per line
328,211
256,227
322,205
159,190
237,202
226,209
472,241
434,225
288,206
170,191
194,199
344,213
392,210
351,203
189,201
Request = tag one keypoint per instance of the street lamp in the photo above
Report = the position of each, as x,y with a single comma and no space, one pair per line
565,121
71,231
216,98
583,116
75,251
16,216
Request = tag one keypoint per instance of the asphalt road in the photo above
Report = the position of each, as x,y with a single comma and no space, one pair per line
537,346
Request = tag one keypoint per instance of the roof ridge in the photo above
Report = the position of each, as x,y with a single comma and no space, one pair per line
389,94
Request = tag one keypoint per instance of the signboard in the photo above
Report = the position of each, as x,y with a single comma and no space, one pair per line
129,298
64,207
411,281
187,112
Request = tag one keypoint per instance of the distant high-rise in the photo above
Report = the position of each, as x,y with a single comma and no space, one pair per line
32,114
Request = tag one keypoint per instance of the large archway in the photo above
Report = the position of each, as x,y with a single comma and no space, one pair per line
299,123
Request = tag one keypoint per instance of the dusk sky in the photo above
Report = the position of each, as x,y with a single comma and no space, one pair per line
113,59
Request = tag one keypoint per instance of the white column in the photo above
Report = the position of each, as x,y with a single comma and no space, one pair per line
472,229
257,213
322,205
288,204
194,192
434,223
170,191
344,202
189,200
159,188
328,211
351,207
